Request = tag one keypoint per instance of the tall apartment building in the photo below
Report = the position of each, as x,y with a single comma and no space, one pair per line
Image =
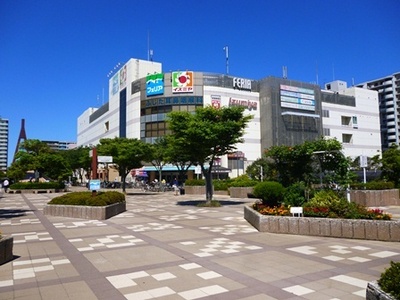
3,144
388,89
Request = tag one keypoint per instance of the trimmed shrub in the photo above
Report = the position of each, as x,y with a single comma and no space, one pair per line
89,199
242,181
390,279
270,192
37,185
195,182
295,194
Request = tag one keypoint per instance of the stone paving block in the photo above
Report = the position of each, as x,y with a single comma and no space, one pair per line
293,225
336,227
283,224
304,226
273,224
347,229
383,231
394,228
325,227
371,230
359,229
315,228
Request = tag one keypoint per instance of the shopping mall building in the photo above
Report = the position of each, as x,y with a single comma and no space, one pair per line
285,112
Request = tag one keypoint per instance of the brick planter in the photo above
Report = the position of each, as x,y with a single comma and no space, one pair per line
85,212
6,249
374,292
377,230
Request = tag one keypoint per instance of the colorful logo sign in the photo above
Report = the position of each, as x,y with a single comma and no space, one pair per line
182,82
250,105
155,84
216,101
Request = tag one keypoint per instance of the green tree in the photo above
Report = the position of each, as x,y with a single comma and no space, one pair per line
127,154
207,134
259,169
37,156
79,161
313,161
176,153
391,164
156,155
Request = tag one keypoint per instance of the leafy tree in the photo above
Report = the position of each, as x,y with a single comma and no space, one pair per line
259,169
176,153
292,164
157,156
207,134
79,161
37,156
391,164
127,154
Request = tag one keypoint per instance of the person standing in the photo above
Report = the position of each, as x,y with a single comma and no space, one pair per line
6,183
175,185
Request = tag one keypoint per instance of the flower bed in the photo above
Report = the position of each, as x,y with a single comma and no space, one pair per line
339,228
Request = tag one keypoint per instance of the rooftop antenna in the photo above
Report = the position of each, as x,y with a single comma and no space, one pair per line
284,71
316,71
149,51
227,58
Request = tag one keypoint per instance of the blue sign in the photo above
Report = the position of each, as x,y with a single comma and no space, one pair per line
155,84
94,184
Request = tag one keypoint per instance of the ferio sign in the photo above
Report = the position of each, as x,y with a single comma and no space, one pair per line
241,84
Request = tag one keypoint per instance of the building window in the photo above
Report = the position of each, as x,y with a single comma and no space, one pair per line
347,138
325,113
346,121
106,126
327,132
355,124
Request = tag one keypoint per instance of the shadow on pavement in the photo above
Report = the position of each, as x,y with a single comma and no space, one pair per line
13,213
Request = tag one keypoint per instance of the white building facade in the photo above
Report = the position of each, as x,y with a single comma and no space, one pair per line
285,112
3,144
354,120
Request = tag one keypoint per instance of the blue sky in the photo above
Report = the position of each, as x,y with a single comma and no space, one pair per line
55,55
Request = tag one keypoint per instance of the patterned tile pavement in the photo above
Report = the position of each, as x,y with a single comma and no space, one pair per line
165,247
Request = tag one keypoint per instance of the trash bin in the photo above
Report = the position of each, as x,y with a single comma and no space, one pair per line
182,191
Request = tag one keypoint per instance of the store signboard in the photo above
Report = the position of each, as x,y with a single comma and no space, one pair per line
182,82
297,98
155,84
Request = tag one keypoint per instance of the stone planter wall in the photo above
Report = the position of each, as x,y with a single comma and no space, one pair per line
375,198
85,212
6,249
339,228
195,190
240,192
374,292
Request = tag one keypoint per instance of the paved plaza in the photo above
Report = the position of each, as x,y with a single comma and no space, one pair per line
165,247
